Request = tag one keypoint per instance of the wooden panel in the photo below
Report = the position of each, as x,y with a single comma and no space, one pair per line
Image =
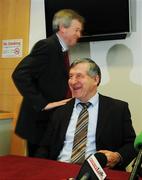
14,24
8,102
14,20
7,85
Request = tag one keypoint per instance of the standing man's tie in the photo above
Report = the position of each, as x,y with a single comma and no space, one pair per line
80,137
67,66
66,60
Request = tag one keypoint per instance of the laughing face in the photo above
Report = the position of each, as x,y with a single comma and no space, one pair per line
82,86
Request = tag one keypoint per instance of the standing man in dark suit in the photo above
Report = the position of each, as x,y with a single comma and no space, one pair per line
41,77
110,129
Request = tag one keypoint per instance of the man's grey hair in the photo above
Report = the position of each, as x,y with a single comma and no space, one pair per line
93,70
64,17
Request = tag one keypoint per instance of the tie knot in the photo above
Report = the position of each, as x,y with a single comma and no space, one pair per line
85,105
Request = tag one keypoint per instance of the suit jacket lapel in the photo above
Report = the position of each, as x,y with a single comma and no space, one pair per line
60,54
102,110
68,108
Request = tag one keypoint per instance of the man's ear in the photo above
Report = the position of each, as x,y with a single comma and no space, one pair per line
61,28
97,79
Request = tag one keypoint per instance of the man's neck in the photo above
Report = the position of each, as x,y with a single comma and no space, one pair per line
62,42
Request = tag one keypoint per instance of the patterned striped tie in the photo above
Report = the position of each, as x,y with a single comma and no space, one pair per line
80,137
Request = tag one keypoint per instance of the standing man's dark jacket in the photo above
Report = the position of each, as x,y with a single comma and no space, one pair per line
40,78
114,130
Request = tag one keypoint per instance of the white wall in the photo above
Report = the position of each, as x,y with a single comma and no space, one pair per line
37,22
121,64
120,60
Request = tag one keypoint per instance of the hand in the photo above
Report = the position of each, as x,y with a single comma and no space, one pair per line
112,158
56,104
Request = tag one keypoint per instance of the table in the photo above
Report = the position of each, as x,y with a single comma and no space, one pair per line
26,168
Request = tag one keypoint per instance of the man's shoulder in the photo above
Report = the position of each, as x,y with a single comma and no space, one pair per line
64,109
110,99
63,113
68,105
48,45
49,41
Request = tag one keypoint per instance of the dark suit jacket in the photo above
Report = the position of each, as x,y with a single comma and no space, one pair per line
114,129
41,78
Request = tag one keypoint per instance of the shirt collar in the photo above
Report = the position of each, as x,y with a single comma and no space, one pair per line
94,100
63,44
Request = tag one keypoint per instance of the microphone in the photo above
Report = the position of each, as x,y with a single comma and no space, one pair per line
92,168
138,160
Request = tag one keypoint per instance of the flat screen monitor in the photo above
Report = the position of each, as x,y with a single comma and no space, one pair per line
104,19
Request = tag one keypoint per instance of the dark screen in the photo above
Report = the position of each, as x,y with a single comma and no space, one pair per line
101,16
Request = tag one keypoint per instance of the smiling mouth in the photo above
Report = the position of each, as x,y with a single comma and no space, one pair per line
76,87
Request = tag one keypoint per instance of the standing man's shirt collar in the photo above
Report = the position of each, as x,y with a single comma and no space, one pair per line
63,44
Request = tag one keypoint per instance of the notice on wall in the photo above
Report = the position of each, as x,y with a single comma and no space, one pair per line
12,48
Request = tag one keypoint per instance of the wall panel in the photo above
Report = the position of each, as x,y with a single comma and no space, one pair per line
14,24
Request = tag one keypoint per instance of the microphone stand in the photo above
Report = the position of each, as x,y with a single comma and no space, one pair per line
137,165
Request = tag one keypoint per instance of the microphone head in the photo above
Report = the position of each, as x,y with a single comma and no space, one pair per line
138,142
97,162
102,159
